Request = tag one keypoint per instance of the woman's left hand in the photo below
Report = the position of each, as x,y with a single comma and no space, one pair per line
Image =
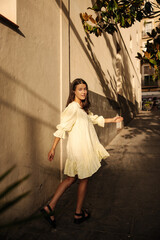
117,119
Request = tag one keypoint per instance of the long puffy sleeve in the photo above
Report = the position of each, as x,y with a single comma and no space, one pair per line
96,119
68,118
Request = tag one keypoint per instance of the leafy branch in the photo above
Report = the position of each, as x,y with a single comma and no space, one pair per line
109,13
152,53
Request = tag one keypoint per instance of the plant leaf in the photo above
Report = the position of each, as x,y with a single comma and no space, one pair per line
139,16
85,16
158,29
139,56
122,22
92,19
153,61
148,7
154,33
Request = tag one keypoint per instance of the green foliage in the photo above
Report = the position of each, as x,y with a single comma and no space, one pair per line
152,53
109,13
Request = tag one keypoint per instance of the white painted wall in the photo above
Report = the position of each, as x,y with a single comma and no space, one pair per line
8,8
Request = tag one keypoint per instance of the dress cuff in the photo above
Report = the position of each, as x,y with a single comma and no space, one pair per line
60,134
101,122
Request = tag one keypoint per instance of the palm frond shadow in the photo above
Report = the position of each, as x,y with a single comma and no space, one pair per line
5,206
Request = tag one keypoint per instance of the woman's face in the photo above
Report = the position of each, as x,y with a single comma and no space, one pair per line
81,91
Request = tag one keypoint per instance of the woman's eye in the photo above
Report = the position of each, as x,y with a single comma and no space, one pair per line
80,89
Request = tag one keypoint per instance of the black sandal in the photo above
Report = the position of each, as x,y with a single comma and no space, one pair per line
83,217
47,216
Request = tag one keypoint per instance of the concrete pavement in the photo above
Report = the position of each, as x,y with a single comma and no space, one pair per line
123,196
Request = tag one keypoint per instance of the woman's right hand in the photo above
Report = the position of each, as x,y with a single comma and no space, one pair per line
51,154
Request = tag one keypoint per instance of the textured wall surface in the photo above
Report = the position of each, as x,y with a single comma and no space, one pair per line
37,64
30,101
8,8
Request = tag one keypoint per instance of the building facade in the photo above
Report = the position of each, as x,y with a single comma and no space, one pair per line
150,87
43,48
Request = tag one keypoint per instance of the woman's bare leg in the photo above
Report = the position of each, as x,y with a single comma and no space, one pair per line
81,194
66,183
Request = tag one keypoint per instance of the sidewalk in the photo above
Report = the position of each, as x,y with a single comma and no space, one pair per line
123,196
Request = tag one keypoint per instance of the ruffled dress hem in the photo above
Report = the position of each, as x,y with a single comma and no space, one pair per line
72,170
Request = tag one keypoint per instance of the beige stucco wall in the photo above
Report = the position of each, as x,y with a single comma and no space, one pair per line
30,101
95,59
132,63
8,8
35,72
88,59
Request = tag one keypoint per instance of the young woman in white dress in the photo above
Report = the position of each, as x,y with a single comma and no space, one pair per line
84,151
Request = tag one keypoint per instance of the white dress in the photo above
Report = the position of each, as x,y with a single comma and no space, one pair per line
84,151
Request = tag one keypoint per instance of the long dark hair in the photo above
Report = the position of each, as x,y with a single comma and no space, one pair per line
85,103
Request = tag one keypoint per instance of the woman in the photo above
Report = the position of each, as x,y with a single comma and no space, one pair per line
84,151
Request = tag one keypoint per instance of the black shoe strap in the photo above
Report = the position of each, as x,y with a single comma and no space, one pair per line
79,214
50,209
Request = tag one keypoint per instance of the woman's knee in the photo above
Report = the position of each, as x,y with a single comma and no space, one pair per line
84,180
70,180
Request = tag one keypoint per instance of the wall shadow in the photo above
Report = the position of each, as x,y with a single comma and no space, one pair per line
22,144
109,92
145,122
11,25
124,104
23,86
